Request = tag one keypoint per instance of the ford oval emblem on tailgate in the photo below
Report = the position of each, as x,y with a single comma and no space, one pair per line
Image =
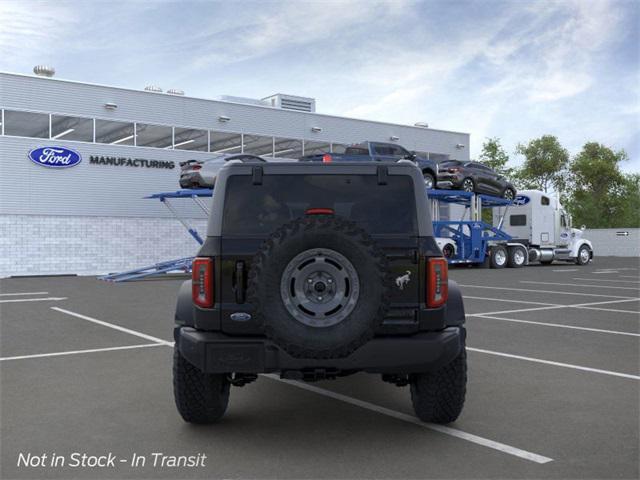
240,317
55,157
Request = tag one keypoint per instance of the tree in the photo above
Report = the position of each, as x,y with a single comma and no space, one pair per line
545,164
494,156
600,195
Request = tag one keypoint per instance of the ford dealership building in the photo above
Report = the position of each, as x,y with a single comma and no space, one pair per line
77,160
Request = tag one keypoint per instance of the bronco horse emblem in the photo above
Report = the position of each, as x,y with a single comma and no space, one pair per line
402,280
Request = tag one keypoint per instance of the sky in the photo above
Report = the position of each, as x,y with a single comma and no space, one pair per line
509,69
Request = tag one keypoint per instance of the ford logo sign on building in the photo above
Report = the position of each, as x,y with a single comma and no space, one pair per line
55,157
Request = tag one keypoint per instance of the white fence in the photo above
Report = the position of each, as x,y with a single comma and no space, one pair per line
614,242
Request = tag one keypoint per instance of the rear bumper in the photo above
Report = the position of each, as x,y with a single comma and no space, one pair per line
213,352
453,180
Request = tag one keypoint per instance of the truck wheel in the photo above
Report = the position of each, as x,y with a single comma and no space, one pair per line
319,287
429,181
517,257
584,255
468,185
498,256
438,397
200,397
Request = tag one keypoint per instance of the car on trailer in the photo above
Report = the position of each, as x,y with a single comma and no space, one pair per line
381,152
300,277
475,177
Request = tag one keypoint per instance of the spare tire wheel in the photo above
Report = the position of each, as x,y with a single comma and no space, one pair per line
319,287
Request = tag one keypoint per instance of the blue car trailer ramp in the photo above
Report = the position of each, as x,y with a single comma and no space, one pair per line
472,237
170,266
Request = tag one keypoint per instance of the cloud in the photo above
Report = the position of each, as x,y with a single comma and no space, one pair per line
32,28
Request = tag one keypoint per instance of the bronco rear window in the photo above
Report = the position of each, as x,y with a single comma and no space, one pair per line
260,209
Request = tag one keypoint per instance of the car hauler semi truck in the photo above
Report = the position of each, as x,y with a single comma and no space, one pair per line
534,227
538,221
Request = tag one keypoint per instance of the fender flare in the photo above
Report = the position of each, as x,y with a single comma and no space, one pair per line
580,243
455,306
184,305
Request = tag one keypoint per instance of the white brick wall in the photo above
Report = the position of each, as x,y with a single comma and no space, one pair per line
46,245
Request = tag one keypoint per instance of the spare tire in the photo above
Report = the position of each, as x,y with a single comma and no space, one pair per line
319,286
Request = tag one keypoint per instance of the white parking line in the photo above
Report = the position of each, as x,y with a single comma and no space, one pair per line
530,290
581,285
469,437
74,352
567,270
466,297
557,364
115,327
23,293
47,299
558,325
551,306
628,276
605,280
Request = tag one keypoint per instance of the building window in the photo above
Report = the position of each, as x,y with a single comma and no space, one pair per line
190,139
114,133
71,128
316,148
287,148
222,142
157,136
338,148
258,145
26,124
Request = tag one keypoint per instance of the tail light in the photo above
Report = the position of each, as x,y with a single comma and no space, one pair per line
319,211
196,167
437,282
454,170
327,158
202,282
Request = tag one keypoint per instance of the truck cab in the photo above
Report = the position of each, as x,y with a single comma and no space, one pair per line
540,222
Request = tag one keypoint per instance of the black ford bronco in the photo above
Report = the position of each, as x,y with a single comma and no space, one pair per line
316,271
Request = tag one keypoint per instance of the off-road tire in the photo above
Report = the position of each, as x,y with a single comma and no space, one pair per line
320,232
438,397
200,397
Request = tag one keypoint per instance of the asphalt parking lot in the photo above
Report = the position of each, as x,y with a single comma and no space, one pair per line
554,377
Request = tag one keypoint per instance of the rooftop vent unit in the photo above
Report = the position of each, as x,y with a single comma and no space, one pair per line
44,71
291,102
175,91
153,88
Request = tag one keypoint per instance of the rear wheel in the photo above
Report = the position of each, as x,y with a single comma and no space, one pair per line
468,185
499,257
429,181
438,397
200,397
517,257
